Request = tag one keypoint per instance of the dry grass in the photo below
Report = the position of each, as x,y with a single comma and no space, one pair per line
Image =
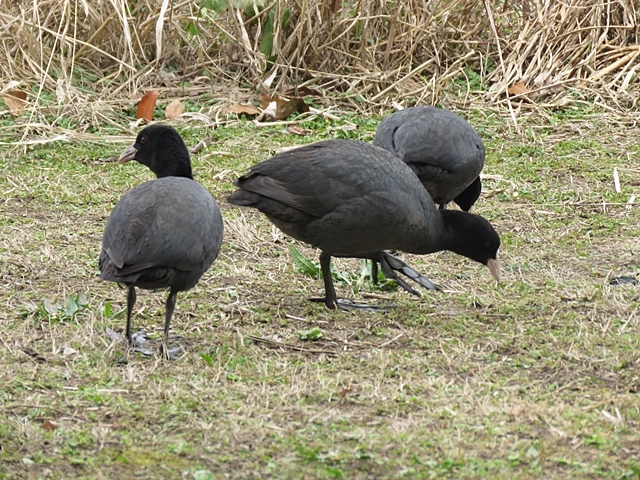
537,377
72,55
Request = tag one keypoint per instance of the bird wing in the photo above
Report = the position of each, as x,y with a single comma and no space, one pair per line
432,140
307,179
152,227
360,190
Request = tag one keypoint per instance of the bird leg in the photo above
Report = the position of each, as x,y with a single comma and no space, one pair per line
169,307
330,299
374,271
131,300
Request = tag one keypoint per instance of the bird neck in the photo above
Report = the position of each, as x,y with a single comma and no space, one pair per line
180,170
458,234
172,162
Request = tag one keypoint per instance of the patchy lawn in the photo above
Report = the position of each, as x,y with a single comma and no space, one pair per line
536,377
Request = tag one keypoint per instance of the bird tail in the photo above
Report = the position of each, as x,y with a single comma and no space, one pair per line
390,265
242,198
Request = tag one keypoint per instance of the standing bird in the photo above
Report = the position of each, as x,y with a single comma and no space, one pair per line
353,199
164,233
442,149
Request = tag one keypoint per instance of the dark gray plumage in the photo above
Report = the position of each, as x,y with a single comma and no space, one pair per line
352,199
441,147
164,233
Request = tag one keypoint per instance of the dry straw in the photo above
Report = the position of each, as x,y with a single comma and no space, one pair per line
74,56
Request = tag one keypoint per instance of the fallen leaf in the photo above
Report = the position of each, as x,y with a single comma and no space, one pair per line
296,130
50,307
202,144
16,100
542,79
294,105
11,85
169,78
113,335
265,100
240,108
268,113
147,105
518,88
66,351
532,452
48,426
343,393
174,109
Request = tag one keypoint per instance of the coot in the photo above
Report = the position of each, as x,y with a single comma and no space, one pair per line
164,233
352,199
441,147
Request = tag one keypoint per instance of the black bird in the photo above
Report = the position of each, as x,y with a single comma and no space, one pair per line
441,147
164,233
352,199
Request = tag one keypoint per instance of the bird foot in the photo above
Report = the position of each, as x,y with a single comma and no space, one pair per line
171,353
391,266
140,343
346,304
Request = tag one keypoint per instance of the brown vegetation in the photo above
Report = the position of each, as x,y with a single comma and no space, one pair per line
376,51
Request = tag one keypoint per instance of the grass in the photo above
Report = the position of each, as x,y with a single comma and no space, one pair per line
534,378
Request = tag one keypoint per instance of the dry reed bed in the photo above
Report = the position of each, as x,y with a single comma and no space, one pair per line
72,54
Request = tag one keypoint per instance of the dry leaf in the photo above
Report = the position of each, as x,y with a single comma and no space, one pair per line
268,113
16,100
202,144
518,88
169,78
66,351
294,105
48,426
296,130
270,77
240,108
113,335
174,109
147,105
542,79
343,393
265,100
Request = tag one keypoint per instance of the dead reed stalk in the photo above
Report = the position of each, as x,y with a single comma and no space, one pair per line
72,54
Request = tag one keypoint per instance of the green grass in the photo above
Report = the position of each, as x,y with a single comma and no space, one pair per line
534,378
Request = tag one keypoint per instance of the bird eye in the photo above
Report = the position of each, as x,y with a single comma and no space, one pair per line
143,140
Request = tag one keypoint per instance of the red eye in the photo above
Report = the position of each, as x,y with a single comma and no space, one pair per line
143,140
